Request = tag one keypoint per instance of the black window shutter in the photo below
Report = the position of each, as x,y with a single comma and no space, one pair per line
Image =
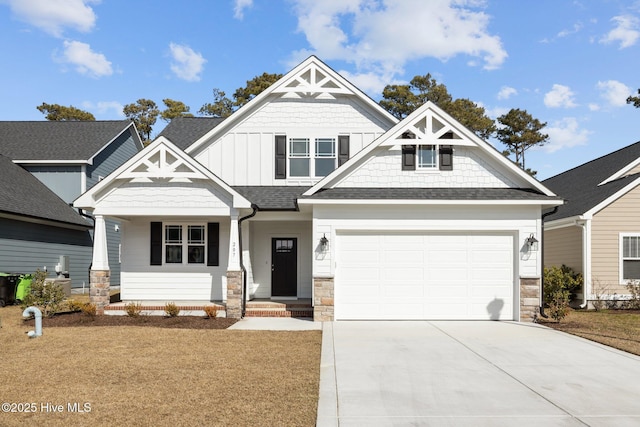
446,157
408,157
156,243
343,149
281,157
213,243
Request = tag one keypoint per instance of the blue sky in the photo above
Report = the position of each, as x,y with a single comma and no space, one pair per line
569,63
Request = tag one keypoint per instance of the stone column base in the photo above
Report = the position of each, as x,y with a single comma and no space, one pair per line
99,289
234,294
323,299
529,298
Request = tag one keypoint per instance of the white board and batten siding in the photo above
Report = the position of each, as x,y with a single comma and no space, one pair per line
245,154
426,262
184,282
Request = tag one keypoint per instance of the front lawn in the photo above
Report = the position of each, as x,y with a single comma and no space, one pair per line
616,328
135,375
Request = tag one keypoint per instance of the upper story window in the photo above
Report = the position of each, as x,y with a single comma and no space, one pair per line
309,157
427,157
302,152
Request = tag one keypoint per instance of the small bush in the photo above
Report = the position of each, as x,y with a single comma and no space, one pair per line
171,309
74,306
133,309
211,311
89,309
560,279
559,305
47,297
633,286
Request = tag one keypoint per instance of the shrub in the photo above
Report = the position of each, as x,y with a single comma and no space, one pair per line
559,305
633,286
133,309
211,311
171,309
561,279
89,309
47,297
74,306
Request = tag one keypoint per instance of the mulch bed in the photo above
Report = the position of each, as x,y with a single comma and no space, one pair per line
179,322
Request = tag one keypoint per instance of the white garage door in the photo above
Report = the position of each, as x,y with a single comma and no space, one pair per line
424,276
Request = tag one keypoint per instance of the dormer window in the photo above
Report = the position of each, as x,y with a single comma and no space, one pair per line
427,157
309,157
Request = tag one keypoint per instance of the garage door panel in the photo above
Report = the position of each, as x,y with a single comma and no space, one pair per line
424,276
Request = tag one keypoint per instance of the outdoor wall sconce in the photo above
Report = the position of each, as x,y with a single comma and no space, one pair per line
324,242
532,243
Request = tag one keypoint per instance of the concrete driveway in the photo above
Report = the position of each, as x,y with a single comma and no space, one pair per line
472,374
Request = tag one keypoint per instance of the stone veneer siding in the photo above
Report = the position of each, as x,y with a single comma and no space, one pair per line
322,299
234,294
529,298
99,287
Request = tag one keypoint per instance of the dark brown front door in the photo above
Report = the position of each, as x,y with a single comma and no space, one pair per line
284,267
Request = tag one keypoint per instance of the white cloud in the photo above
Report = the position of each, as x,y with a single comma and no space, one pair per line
187,64
382,37
506,92
53,16
593,106
107,109
576,28
240,6
614,92
559,96
85,60
565,133
625,31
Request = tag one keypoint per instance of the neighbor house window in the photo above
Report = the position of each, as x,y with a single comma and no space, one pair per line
325,156
427,157
630,257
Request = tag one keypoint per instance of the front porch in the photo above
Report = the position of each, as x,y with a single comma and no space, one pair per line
300,308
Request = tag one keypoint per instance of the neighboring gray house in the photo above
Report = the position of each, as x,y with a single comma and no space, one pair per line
68,157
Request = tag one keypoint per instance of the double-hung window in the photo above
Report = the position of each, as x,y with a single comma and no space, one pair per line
427,157
325,156
176,246
299,156
630,262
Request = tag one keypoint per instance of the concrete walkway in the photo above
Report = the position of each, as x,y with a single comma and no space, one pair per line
276,324
472,374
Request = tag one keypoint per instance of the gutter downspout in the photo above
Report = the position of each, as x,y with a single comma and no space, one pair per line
242,267
94,227
586,265
544,215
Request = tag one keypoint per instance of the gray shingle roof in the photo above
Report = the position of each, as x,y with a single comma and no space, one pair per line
184,131
579,186
431,194
272,198
22,194
52,140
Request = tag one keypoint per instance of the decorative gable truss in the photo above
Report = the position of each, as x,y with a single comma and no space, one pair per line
312,82
162,178
428,138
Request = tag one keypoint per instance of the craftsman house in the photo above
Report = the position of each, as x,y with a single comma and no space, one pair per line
313,191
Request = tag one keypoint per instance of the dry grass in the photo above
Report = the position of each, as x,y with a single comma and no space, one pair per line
616,328
151,376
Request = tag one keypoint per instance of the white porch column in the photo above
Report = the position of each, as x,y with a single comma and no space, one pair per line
234,244
100,253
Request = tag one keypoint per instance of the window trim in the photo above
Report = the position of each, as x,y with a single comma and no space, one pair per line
622,258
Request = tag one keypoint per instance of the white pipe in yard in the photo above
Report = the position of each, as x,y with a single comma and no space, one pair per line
35,311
